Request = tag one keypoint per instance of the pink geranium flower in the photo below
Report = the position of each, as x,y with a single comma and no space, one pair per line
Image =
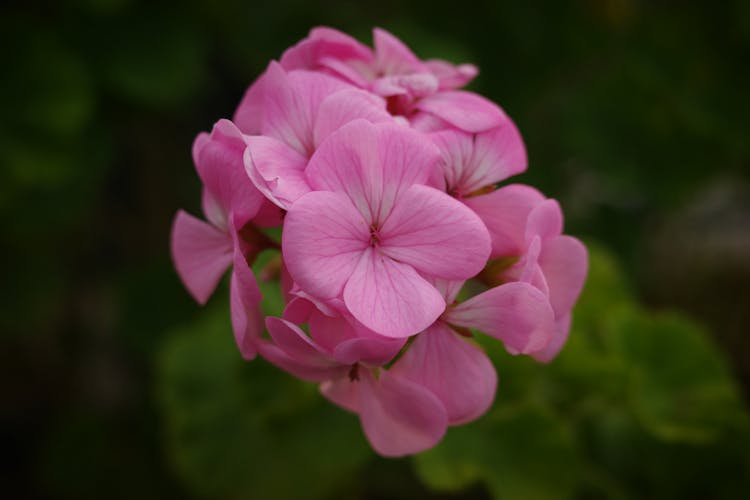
443,360
418,90
372,230
526,230
399,417
203,251
334,328
299,109
329,50
472,164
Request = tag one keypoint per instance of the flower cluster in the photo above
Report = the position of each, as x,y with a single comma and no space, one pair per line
383,177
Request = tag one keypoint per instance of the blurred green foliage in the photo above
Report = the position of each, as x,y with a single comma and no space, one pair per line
115,384
635,398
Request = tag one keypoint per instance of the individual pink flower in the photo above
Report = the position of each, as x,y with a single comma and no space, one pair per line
329,50
339,333
399,417
203,251
372,231
528,246
418,90
300,109
472,164
446,362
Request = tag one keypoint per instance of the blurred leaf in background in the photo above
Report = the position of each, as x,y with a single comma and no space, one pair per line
634,400
239,430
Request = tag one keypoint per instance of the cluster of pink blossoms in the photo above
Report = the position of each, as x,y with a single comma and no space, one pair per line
383,178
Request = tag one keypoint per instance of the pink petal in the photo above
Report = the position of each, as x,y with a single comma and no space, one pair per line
465,110
201,254
526,269
358,73
456,149
414,85
505,213
474,161
453,369
562,329
451,76
342,392
392,56
436,234
398,416
244,302
330,330
373,351
297,345
249,114
391,298
528,266
545,220
276,356
269,214
277,170
291,105
372,164
324,43
199,143
449,289
428,123
388,87
350,342
323,239
344,106
540,281
518,314
213,210
218,160
298,310
564,262
329,307
503,151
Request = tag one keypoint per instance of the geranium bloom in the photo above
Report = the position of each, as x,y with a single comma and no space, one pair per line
372,229
458,372
383,175
414,88
390,69
203,251
299,110
525,228
473,164
440,364
528,245
399,417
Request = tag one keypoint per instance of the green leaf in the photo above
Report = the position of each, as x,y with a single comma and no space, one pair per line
522,452
236,429
266,267
530,455
454,464
680,386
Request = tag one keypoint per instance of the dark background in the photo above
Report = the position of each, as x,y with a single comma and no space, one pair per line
634,114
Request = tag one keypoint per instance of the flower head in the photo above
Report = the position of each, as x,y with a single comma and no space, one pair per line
382,174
